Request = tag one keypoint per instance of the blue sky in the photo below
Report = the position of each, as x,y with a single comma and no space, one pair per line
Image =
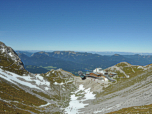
78,25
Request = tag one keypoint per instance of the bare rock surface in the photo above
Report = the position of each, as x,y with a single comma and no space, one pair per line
9,52
135,95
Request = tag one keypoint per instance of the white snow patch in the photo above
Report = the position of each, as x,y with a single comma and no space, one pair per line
56,83
10,54
15,78
75,105
106,80
3,50
127,76
140,67
69,81
45,105
39,77
133,70
46,88
63,89
89,95
48,74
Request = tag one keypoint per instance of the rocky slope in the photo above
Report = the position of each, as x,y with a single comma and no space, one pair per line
32,92
24,92
129,93
7,53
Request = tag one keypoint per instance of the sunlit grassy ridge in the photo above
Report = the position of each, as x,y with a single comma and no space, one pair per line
139,79
122,81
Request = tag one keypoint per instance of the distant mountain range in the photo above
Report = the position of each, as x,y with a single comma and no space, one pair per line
74,61
93,52
121,53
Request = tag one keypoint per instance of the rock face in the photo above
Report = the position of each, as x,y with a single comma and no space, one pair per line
25,92
10,53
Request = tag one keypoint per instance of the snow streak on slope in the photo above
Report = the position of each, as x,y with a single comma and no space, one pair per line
83,95
29,81
2,49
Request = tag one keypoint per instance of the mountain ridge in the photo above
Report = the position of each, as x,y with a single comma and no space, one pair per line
81,61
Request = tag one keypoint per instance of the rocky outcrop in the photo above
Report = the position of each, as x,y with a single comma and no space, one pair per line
28,92
10,53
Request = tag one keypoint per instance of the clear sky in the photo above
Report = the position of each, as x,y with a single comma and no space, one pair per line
78,25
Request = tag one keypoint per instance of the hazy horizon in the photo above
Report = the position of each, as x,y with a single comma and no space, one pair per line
108,52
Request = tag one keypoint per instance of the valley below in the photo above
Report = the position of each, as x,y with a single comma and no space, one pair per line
42,62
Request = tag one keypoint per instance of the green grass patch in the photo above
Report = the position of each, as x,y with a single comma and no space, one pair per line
7,108
13,93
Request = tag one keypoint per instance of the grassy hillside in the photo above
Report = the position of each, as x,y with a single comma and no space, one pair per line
123,69
15,100
22,99
139,80
22,92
